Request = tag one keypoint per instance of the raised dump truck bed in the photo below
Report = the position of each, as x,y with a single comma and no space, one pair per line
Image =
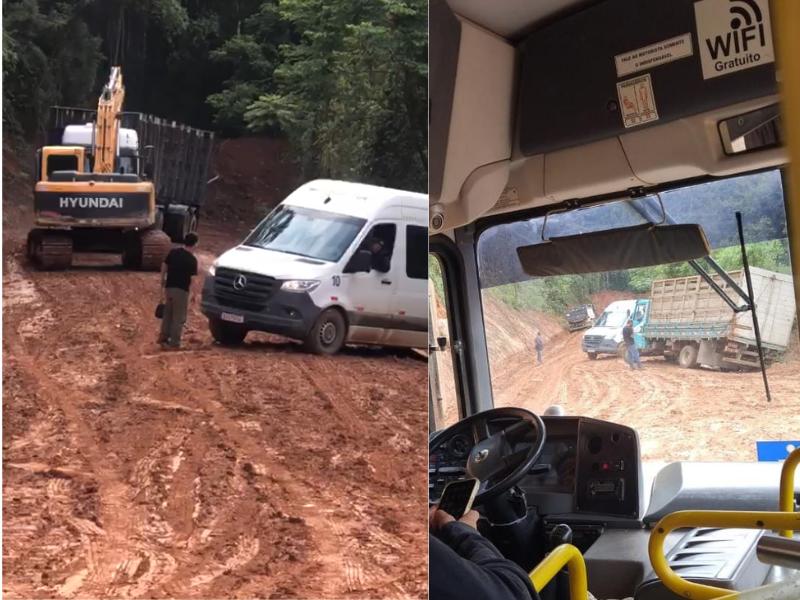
180,157
580,317
687,311
174,156
177,157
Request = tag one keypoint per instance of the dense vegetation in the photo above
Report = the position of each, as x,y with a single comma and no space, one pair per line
344,80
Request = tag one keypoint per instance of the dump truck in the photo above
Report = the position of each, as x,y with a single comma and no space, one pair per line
580,317
116,182
690,323
685,320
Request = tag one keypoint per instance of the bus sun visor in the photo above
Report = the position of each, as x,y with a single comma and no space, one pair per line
642,245
620,65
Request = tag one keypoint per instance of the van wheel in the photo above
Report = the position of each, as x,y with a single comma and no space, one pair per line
622,350
592,355
327,334
227,334
688,356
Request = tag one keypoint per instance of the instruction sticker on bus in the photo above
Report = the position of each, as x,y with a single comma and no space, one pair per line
654,55
636,101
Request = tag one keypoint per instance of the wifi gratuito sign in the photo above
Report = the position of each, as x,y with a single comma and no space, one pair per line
733,35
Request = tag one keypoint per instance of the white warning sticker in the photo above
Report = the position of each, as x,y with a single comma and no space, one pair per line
653,55
733,35
636,101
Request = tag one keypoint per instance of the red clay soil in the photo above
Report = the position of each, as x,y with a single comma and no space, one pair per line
680,414
257,472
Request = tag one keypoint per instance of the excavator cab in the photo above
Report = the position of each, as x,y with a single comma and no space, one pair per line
633,155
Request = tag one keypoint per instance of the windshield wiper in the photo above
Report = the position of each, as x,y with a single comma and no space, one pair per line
756,328
281,250
747,297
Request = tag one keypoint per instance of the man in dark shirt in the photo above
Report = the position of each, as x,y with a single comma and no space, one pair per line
176,280
464,565
631,351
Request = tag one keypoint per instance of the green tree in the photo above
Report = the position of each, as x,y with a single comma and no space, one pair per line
350,93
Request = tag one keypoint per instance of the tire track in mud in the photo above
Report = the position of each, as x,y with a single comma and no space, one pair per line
210,472
680,414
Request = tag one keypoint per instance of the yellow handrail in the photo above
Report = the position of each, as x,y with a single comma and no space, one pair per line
786,19
565,554
709,518
787,486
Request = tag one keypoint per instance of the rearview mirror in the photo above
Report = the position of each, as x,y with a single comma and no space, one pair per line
360,262
643,245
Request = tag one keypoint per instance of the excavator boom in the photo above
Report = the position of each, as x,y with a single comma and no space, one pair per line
109,107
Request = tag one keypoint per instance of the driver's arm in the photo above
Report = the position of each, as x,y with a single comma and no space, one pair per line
476,570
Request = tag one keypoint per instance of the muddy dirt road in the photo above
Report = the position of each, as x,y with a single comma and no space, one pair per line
259,472
680,414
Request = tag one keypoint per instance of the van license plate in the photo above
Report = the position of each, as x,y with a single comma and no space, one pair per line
232,318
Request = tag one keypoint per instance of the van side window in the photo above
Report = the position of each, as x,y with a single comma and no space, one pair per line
380,243
416,252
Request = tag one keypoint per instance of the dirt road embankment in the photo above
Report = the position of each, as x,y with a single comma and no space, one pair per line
210,472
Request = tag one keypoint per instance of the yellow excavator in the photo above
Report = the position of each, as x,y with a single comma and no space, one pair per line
95,193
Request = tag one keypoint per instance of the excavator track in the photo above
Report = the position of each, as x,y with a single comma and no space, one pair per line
146,250
50,251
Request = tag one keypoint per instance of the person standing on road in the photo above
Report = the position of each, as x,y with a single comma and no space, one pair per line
631,351
539,343
179,267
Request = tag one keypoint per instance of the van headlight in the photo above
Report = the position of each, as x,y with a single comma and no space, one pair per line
300,285
212,270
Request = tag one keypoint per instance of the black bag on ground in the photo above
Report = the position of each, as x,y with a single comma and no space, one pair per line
160,310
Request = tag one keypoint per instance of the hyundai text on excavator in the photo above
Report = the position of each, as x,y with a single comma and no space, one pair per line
96,191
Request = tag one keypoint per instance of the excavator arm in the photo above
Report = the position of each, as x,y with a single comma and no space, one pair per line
109,107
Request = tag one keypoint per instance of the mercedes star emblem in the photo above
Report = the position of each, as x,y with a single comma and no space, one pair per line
240,282
481,456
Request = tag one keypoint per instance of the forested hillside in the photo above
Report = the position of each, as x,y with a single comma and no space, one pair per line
345,81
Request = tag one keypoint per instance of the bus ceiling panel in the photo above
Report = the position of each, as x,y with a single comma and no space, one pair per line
587,171
512,18
684,149
692,147
591,170
626,65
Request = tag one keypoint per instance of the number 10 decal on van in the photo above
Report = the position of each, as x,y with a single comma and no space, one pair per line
334,263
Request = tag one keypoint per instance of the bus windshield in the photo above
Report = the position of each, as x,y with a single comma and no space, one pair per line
699,394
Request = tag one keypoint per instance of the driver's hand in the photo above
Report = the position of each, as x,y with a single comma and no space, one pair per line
470,518
439,518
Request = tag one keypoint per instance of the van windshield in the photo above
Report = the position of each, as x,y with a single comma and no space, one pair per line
612,319
698,356
306,232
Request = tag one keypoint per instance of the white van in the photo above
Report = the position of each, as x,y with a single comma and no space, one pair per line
605,337
334,263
